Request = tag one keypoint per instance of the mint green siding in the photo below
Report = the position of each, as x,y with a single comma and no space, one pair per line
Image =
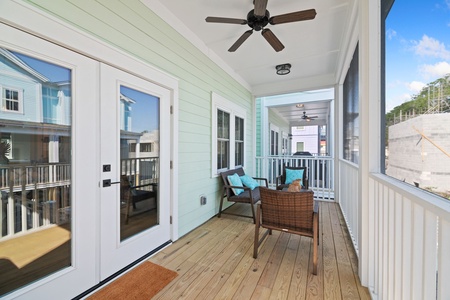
133,28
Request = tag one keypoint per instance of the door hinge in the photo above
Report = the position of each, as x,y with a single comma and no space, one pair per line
171,164
171,109
170,220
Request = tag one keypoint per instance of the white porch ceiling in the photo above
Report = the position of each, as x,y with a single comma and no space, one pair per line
315,48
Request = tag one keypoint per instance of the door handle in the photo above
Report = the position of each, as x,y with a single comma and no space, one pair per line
107,182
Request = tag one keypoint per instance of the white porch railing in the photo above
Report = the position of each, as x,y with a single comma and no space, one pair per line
410,242
33,196
143,170
320,172
407,241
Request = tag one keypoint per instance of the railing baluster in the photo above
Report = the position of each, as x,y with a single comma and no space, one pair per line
320,173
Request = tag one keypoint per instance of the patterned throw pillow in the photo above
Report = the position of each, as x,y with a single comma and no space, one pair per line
291,175
235,180
249,182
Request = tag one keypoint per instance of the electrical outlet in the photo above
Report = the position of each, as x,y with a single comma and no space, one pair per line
202,200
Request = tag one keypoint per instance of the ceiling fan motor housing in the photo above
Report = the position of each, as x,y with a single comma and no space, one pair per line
257,22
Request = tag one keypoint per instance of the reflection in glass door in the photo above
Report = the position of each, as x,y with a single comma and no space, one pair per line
135,168
35,169
139,161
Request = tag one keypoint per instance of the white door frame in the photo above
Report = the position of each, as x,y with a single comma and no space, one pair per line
47,27
83,183
116,254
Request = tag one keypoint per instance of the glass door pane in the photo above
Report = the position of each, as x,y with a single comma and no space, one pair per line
135,164
139,161
35,169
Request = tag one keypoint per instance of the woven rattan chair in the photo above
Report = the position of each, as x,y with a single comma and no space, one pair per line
130,195
248,196
292,212
280,180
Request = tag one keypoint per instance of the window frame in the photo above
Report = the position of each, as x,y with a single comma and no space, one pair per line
143,146
19,100
221,103
239,141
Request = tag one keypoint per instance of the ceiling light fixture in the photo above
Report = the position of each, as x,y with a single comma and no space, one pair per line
283,69
300,105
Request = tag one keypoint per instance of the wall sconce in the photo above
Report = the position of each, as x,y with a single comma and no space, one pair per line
283,69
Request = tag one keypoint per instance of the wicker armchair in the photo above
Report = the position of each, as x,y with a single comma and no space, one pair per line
292,212
130,195
280,180
248,196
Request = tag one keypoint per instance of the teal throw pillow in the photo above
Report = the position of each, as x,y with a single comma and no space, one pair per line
249,182
236,181
291,175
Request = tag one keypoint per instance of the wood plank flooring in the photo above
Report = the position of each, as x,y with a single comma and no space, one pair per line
215,261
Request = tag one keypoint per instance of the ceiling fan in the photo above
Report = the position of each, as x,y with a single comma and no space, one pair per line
308,118
258,18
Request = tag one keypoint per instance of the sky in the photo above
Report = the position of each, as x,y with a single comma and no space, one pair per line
417,47
53,72
145,112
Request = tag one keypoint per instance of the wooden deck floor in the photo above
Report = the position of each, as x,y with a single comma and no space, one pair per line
215,262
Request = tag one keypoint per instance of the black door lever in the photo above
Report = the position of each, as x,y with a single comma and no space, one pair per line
107,182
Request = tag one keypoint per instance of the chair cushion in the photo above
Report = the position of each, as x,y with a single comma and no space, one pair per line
236,181
292,175
245,196
249,182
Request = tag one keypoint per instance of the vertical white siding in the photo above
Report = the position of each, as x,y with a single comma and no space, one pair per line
348,198
410,236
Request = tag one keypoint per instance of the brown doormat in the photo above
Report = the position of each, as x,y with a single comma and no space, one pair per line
142,282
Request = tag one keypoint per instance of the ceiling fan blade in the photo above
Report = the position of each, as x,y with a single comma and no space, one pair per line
260,7
303,15
239,42
272,39
226,20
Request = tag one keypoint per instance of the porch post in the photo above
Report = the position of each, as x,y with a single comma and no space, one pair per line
370,114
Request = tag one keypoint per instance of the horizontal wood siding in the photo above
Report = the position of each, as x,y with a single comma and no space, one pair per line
130,26
279,122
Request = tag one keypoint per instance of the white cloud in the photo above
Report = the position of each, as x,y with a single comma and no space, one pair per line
394,101
416,86
391,33
435,71
429,46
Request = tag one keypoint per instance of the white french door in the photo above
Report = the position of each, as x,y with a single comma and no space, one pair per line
48,217
135,165
68,138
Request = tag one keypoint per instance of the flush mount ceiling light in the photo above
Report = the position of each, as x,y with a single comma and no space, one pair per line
300,105
283,69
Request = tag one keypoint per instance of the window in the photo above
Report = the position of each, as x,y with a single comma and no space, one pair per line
416,83
300,146
284,149
351,111
11,100
146,147
228,123
223,140
274,142
132,147
239,140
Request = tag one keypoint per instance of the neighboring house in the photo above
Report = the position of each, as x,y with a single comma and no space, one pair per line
33,110
305,138
419,152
